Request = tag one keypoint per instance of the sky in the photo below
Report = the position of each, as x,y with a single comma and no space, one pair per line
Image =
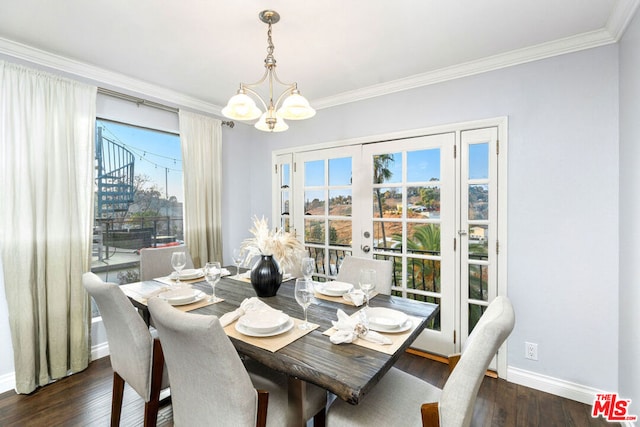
157,154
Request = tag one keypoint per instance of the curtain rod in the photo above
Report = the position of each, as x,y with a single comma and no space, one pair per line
145,102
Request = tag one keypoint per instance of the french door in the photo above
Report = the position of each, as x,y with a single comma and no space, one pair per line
428,202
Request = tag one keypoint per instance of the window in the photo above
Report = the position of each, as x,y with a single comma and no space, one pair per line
138,197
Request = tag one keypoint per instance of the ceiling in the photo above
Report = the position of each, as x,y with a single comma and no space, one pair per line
194,53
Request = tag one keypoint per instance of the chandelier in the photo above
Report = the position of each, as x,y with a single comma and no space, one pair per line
294,106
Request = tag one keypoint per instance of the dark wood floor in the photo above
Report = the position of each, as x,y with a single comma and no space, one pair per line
84,399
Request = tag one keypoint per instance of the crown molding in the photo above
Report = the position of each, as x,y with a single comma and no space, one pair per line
616,24
103,77
622,13
545,50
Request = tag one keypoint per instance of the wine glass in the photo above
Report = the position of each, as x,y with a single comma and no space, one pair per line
304,295
237,260
308,267
178,261
212,276
367,282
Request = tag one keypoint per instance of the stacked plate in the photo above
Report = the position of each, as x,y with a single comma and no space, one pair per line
334,289
264,323
182,296
383,319
189,274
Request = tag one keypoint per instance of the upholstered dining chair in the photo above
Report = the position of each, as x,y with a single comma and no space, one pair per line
136,355
400,396
350,271
156,262
210,385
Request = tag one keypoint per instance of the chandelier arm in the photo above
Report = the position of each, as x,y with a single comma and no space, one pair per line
293,85
257,95
287,91
259,82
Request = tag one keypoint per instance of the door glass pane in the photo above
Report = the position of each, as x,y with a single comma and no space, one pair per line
478,241
423,202
314,202
284,208
479,282
340,232
314,231
340,202
387,168
387,234
424,239
285,176
423,165
479,161
423,274
314,173
387,202
478,202
340,171
475,312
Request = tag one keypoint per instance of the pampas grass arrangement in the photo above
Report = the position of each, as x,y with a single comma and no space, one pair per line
284,247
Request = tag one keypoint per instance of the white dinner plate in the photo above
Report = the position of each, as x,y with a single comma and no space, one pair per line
192,273
333,289
385,319
264,321
182,296
281,330
402,328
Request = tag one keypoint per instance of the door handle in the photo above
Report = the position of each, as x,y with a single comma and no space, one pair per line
365,249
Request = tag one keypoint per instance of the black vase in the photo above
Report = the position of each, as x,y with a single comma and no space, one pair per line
266,276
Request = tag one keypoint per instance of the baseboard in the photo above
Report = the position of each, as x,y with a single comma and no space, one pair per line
99,351
553,385
8,381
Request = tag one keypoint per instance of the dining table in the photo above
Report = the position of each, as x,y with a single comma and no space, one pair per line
347,370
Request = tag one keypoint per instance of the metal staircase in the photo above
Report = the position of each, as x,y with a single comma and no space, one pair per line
114,177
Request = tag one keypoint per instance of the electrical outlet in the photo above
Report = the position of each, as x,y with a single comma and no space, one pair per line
531,350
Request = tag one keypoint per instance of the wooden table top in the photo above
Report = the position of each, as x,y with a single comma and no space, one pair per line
349,371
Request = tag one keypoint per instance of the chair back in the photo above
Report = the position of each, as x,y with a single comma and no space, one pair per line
459,393
209,383
130,342
156,262
351,266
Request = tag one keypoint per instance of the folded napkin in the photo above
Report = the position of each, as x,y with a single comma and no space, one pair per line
247,306
356,296
349,329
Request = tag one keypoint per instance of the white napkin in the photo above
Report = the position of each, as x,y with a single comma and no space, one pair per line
248,305
356,296
349,329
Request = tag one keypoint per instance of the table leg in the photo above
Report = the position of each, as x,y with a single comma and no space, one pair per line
296,396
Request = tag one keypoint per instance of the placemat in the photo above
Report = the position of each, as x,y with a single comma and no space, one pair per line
397,339
276,342
142,291
340,299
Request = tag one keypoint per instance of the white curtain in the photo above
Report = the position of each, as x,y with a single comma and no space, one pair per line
201,140
46,189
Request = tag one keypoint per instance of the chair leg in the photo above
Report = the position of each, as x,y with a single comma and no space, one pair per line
151,407
320,419
116,399
263,404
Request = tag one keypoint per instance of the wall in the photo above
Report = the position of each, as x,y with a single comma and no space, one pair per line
562,195
629,344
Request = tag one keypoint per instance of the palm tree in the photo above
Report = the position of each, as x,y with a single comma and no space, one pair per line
381,173
425,239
